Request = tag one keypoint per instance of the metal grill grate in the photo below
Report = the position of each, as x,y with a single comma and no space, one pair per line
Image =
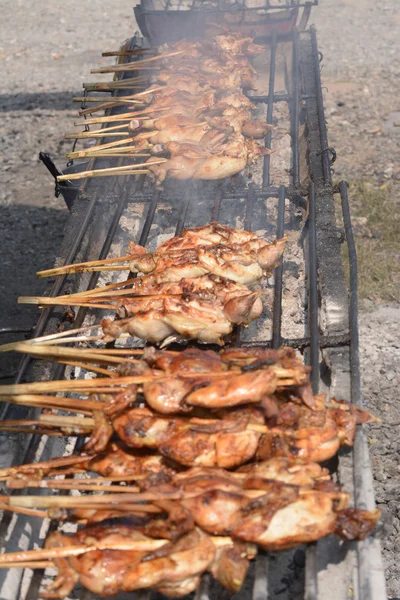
99,225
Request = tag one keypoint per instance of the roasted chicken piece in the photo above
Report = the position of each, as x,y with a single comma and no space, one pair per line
207,316
291,430
235,254
181,167
196,378
118,460
190,442
240,305
299,520
311,435
174,569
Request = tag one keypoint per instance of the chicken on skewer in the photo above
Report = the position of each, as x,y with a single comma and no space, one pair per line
190,83
237,436
279,519
234,254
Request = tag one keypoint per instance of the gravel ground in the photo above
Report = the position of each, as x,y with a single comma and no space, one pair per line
47,50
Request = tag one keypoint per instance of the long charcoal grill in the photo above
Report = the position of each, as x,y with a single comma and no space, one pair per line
109,212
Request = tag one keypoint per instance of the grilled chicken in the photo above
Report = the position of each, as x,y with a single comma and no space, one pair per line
174,570
280,517
204,318
235,254
190,442
288,429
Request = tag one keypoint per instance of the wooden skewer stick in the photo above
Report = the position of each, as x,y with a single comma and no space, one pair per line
74,484
105,154
49,553
52,463
101,173
123,116
108,128
30,512
109,171
79,339
53,421
28,564
86,301
86,367
128,151
79,353
46,301
127,116
84,135
66,385
85,407
39,558
36,431
105,106
107,87
136,65
77,266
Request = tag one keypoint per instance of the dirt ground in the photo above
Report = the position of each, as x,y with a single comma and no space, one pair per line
48,49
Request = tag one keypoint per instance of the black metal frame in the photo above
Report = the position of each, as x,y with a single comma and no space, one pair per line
101,205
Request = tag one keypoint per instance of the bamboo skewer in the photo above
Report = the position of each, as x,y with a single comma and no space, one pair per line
105,154
28,564
130,169
49,553
75,484
30,512
85,301
84,135
125,151
53,462
79,353
136,65
123,116
42,558
86,407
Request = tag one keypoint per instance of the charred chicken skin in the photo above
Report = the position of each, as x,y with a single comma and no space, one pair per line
224,251
282,516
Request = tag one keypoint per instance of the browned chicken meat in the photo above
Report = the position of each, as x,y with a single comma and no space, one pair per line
231,253
279,516
174,570
204,317
310,435
203,91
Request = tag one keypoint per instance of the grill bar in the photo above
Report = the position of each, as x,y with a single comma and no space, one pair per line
320,104
277,314
296,111
267,157
240,7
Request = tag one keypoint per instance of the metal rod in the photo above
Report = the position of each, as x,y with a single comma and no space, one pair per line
248,219
182,217
313,291
311,581
296,110
277,312
355,382
320,108
268,137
